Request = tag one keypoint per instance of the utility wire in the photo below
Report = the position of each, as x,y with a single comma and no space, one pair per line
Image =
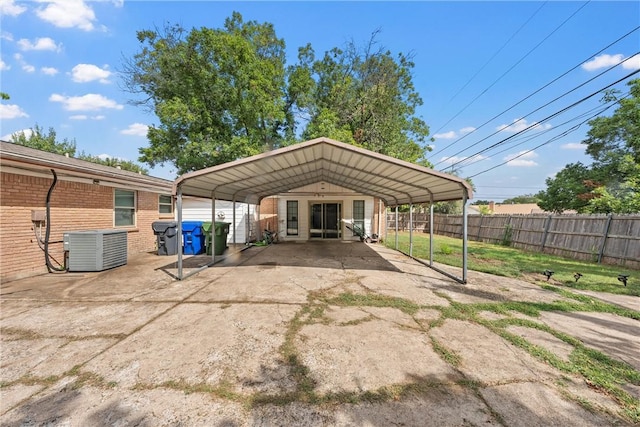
515,65
538,109
601,109
491,59
537,91
563,134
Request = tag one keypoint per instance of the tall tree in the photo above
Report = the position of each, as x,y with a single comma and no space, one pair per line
220,94
36,138
611,184
367,97
114,162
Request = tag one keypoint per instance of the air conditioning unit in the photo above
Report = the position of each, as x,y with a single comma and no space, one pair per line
95,250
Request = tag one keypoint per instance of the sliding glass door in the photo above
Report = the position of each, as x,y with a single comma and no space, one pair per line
325,220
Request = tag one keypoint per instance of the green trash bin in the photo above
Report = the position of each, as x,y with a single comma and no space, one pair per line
206,229
219,238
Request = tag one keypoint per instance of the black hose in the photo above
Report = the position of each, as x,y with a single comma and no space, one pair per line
50,266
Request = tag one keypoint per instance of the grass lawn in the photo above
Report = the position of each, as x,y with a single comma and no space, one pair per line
510,262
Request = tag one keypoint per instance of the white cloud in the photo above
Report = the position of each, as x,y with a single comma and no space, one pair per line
453,134
9,137
461,161
85,117
633,63
88,102
9,8
83,73
49,71
572,146
67,14
522,159
41,43
521,124
11,111
4,66
5,35
446,135
137,129
25,66
602,61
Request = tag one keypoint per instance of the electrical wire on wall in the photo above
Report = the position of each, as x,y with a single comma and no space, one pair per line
47,258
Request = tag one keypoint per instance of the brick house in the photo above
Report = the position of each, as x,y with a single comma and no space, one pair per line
87,196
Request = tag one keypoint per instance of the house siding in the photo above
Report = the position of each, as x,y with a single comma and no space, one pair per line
74,206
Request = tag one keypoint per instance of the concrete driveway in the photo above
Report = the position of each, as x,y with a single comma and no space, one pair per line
313,334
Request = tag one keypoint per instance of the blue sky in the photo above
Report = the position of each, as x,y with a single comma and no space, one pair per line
60,63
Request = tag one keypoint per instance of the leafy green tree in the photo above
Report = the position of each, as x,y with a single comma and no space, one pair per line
114,162
611,183
526,198
367,97
46,142
566,190
481,202
220,94
4,96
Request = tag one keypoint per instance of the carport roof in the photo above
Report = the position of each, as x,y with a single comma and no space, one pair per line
251,179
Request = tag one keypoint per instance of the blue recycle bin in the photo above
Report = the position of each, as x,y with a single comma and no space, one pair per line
192,238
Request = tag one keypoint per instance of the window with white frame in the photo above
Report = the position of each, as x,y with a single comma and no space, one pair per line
292,217
358,216
165,204
124,208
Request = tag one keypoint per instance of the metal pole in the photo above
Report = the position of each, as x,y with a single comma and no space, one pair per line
247,231
386,223
431,234
411,230
213,229
234,222
179,206
607,226
396,227
464,238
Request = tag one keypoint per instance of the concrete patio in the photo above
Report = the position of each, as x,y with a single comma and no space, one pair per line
317,333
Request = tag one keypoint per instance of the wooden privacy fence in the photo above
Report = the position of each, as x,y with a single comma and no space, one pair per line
609,239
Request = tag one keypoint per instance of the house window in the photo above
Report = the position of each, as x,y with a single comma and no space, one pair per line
292,218
358,215
124,208
165,204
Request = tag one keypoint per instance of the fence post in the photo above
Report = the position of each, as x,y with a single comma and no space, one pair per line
547,225
479,228
604,238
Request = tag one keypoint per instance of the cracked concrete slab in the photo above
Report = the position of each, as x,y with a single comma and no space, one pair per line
368,356
488,358
255,341
543,339
204,344
613,335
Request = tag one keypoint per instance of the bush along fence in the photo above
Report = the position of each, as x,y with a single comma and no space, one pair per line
608,239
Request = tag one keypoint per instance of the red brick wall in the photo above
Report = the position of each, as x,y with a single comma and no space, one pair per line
74,206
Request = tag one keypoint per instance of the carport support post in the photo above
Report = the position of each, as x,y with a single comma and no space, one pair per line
179,207
234,222
411,230
431,234
396,227
464,238
213,228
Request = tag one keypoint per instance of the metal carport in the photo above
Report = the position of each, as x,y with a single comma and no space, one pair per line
394,181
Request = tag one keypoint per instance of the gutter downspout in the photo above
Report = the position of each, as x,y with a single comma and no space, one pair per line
179,207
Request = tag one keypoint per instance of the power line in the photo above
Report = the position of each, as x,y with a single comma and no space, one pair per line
601,109
533,125
537,91
565,133
490,59
514,65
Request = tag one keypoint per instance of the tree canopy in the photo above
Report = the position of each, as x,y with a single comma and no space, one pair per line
611,184
227,93
37,139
